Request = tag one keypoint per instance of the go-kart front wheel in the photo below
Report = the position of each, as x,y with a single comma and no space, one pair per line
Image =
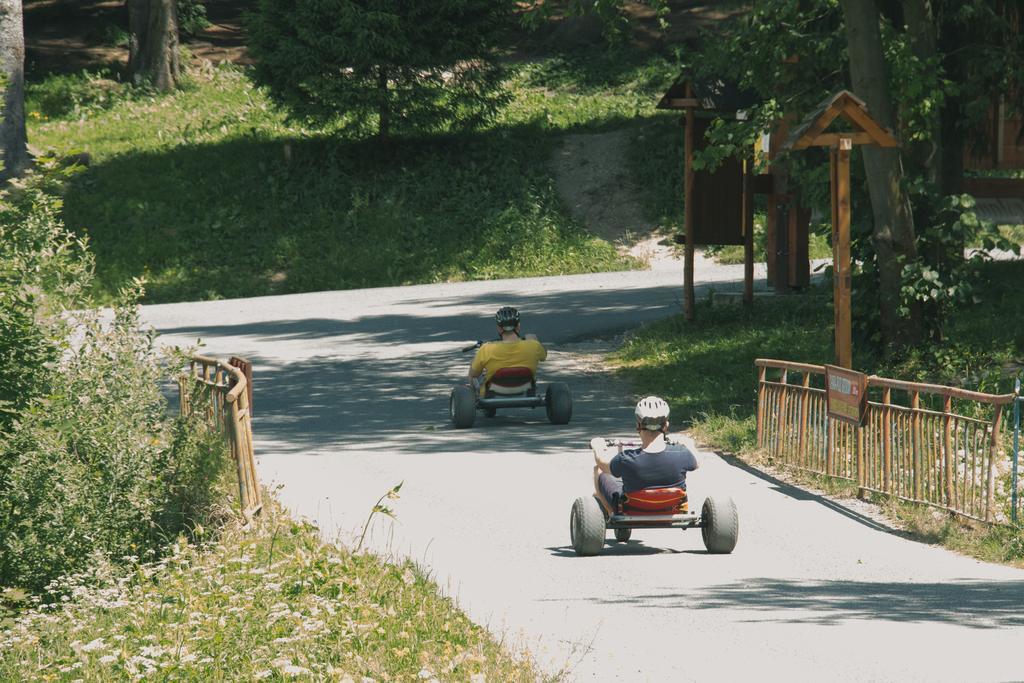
721,525
622,535
462,406
558,403
586,526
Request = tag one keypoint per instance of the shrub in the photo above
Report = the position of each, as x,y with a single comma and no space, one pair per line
392,65
192,17
91,469
63,94
44,270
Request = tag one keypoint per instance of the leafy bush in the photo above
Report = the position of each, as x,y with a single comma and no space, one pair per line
43,270
192,17
393,65
60,95
91,470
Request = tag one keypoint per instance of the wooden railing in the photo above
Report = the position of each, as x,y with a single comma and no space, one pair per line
926,443
220,390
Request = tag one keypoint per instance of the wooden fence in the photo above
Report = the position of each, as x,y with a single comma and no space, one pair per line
220,390
926,443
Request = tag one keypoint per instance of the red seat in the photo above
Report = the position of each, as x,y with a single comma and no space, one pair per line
514,380
667,501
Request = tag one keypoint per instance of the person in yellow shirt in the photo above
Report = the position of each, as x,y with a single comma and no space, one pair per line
511,350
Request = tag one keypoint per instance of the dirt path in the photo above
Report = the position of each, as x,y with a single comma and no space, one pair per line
592,177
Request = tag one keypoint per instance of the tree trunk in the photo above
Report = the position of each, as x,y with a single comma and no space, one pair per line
893,233
921,28
13,139
153,43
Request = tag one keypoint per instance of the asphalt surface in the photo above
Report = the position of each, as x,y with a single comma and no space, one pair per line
351,398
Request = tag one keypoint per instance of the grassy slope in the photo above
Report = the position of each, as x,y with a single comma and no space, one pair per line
272,603
210,193
705,370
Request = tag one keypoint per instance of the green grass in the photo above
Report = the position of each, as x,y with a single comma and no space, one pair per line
705,368
211,193
271,603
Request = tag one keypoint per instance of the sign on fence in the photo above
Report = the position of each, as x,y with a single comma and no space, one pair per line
847,394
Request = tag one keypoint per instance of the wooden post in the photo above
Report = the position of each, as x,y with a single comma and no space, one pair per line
841,251
760,406
780,254
915,440
688,296
858,432
947,449
748,231
783,393
990,478
801,447
235,438
886,439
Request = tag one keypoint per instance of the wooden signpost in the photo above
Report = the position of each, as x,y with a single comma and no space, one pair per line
718,204
846,393
846,106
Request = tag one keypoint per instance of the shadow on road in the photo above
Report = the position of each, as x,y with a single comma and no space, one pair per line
975,604
615,549
382,378
797,493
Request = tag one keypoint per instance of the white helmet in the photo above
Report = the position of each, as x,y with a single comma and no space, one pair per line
652,413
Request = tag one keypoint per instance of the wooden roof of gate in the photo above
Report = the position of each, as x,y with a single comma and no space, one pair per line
844,104
722,98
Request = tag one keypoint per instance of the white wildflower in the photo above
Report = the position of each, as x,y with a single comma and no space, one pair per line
292,670
260,675
108,659
94,645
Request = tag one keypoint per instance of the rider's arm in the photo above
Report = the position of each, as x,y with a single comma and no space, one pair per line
542,353
603,454
477,366
693,463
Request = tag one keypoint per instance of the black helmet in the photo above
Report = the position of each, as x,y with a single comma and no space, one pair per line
507,318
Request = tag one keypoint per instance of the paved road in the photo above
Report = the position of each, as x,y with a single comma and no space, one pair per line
351,399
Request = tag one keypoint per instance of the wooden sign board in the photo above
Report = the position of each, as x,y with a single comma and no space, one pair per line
717,198
847,394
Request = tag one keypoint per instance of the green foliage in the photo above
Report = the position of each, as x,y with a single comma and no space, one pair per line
90,470
396,66
43,270
65,95
192,17
955,285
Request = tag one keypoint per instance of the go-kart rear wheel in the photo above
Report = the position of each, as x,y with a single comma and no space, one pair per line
721,525
622,535
586,526
462,406
558,403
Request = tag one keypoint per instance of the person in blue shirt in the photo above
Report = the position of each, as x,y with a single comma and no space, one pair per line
655,464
